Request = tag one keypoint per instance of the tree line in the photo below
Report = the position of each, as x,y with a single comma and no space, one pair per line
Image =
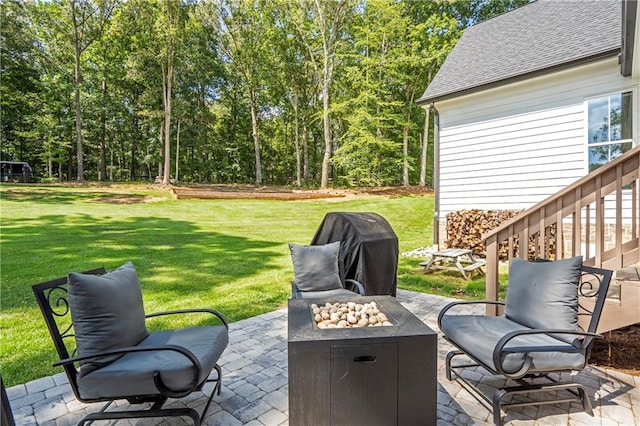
289,92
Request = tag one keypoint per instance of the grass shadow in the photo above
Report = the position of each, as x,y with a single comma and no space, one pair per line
180,265
171,256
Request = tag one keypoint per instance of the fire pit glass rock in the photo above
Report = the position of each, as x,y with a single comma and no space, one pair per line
348,315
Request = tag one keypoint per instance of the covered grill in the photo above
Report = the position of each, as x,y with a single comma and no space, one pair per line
368,249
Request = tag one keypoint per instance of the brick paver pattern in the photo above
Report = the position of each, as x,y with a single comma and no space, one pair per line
255,389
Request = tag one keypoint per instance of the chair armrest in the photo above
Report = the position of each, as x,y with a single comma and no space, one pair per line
189,311
499,349
464,302
157,375
354,286
131,349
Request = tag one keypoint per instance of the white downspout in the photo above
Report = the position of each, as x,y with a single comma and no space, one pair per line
436,175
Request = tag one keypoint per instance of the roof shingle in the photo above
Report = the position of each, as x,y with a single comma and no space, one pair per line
541,35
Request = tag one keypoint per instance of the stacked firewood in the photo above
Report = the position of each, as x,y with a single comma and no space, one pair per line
465,229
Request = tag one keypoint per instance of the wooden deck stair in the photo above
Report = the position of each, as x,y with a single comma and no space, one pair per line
596,217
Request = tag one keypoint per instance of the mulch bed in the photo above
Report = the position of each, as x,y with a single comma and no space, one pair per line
206,194
620,349
286,194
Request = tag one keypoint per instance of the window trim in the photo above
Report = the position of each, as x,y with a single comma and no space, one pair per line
635,117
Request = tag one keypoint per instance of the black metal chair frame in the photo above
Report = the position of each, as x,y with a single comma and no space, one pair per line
52,299
586,289
6,415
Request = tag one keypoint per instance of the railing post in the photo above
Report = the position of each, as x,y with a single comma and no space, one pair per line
576,243
618,230
524,240
491,283
599,211
542,235
587,235
559,231
635,208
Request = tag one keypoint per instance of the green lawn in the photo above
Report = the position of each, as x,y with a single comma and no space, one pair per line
229,255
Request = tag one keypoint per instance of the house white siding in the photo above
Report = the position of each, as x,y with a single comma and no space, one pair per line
513,146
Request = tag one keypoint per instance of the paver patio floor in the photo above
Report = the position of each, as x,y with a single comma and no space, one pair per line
255,390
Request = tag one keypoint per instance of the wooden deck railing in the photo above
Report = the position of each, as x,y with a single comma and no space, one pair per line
596,217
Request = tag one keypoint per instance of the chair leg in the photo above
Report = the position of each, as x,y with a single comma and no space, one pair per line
586,402
497,406
135,414
216,389
448,359
570,387
497,403
219,371
156,409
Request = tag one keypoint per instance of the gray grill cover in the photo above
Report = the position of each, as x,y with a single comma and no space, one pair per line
368,249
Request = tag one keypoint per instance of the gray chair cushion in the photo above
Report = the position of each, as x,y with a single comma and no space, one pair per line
339,292
478,335
316,268
132,374
544,294
107,313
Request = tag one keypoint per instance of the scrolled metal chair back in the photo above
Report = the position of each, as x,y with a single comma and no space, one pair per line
594,286
53,300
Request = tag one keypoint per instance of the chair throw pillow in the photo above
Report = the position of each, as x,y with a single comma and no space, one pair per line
107,313
316,268
544,295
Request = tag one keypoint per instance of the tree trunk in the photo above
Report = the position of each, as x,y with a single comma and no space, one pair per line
177,149
103,132
423,153
425,142
409,96
148,165
76,80
120,160
167,76
405,155
254,133
160,172
69,163
134,145
328,143
111,166
296,140
305,150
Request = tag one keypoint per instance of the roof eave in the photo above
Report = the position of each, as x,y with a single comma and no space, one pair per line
521,77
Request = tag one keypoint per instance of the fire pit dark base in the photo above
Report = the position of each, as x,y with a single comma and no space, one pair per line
362,376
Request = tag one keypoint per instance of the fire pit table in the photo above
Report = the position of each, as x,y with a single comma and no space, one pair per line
373,375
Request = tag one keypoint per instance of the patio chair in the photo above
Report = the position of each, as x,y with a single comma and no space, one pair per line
317,273
98,326
538,334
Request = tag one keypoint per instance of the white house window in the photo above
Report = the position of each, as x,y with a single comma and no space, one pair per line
610,120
